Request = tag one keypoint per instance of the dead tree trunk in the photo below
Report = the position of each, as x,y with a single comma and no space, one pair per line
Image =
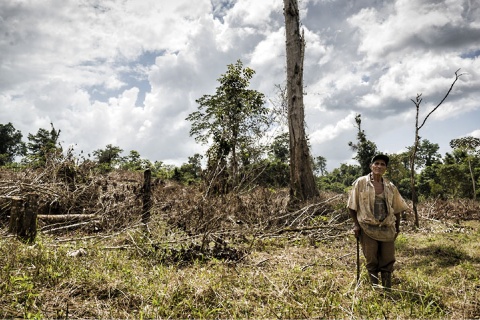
413,155
302,181
23,218
147,196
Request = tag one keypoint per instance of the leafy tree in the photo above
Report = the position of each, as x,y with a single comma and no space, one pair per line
470,146
430,184
134,162
272,173
232,119
454,179
320,165
107,158
279,148
191,171
11,144
162,170
340,179
427,153
365,148
43,145
398,171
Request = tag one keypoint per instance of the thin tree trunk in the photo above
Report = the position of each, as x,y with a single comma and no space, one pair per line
418,102
473,179
147,197
412,173
302,181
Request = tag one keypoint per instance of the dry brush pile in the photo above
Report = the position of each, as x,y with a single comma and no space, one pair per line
76,198
71,199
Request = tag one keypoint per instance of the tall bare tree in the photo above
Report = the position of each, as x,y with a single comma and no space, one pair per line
418,100
302,181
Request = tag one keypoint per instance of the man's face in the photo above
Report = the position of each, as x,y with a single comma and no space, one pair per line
378,167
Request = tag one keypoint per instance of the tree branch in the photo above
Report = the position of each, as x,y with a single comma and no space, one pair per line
457,76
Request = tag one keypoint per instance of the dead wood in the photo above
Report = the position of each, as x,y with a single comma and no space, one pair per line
55,218
71,226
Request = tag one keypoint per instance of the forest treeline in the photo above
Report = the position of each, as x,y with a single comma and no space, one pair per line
249,145
445,176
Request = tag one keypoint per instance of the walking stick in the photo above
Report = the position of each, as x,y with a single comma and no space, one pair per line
358,259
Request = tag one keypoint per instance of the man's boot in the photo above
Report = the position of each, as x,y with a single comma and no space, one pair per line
373,278
387,280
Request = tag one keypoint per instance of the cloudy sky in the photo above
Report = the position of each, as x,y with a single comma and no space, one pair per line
128,72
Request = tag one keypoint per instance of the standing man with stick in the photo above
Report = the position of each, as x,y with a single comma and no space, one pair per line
375,205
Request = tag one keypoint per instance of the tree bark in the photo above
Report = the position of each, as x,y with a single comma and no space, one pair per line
473,180
302,181
413,156
23,218
147,196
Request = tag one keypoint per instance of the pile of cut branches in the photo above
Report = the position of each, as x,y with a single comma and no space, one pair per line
76,198
82,201
453,209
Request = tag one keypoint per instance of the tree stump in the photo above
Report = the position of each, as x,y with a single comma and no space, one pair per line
23,218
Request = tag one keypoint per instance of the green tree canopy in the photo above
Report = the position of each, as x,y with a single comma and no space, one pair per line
339,179
232,119
108,157
470,146
133,161
11,144
279,150
43,144
427,153
320,165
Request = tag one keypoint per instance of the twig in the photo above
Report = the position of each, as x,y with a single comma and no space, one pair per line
71,226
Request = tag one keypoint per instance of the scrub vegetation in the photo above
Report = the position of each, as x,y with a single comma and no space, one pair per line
238,255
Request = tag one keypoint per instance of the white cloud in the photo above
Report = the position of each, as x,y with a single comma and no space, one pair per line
254,13
331,131
83,66
475,133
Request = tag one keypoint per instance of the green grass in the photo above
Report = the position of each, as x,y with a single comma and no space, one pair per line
124,276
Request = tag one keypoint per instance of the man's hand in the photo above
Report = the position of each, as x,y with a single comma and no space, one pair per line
356,225
356,230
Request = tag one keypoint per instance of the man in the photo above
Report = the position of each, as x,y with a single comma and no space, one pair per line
375,205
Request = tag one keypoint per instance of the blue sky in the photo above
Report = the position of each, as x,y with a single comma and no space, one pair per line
128,73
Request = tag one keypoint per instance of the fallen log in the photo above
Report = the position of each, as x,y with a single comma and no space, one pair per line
66,217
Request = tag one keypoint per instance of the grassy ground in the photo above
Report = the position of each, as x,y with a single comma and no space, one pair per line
126,275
